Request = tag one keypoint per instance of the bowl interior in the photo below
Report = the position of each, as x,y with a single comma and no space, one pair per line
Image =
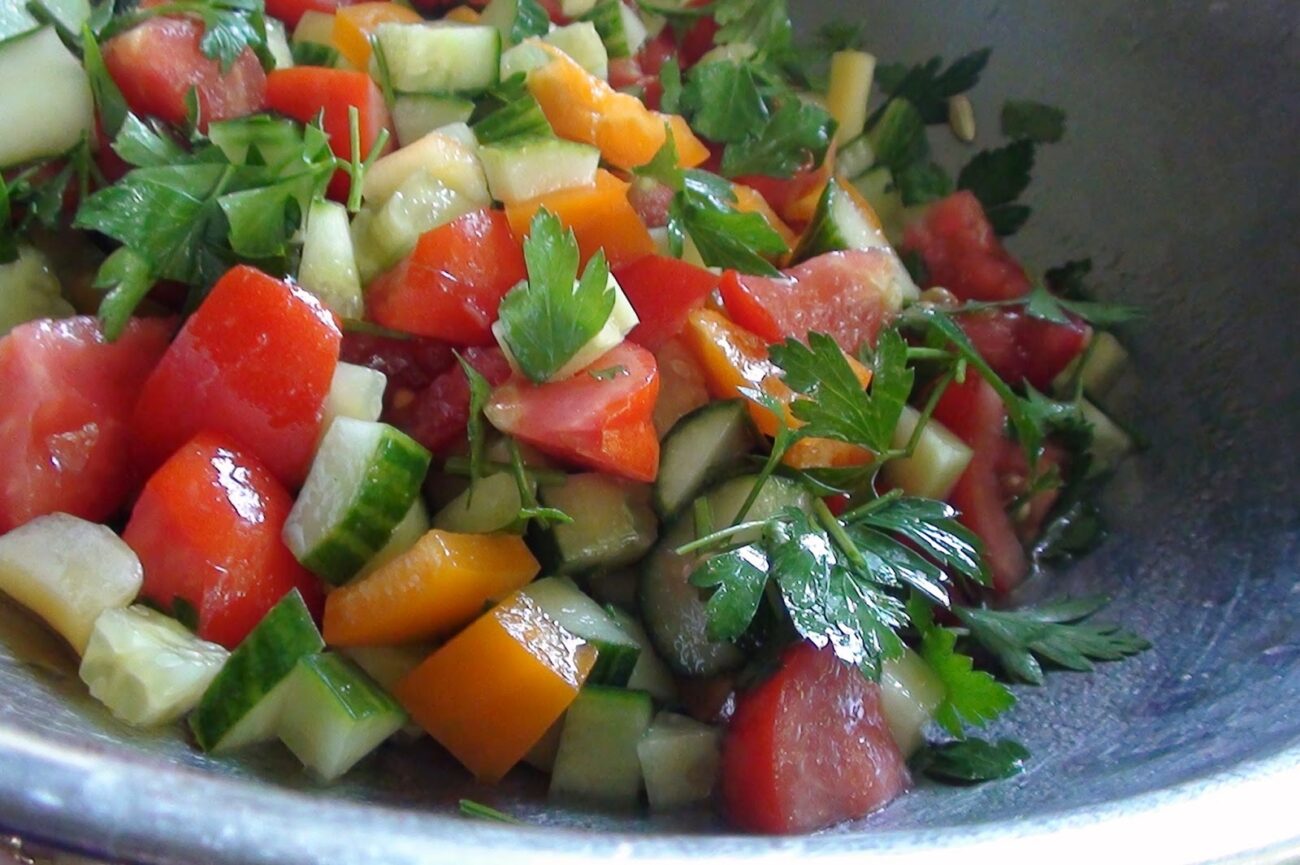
1178,178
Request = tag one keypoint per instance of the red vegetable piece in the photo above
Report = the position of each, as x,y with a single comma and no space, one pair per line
303,92
409,364
663,291
436,415
207,530
840,293
291,11
65,413
451,285
808,747
602,422
1020,347
156,63
254,362
962,253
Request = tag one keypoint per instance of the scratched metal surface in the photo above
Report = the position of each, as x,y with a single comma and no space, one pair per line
1179,177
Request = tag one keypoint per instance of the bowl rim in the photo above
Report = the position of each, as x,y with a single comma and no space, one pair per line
105,804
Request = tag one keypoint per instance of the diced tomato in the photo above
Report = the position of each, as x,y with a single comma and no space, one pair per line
156,63
291,11
843,294
974,412
697,40
651,200
1013,480
254,362
808,747
962,253
709,700
681,384
657,51
64,415
663,291
409,364
1020,347
436,414
450,286
303,92
207,530
788,195
603,423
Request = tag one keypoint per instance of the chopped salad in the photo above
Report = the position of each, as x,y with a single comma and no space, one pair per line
623,390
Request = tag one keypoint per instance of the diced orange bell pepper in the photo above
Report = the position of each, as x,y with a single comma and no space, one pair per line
493,691
463,15
749,200
600,215
434,588
733,358
582,107
353,26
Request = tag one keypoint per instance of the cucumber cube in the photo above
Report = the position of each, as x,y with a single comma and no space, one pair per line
597,760
679,758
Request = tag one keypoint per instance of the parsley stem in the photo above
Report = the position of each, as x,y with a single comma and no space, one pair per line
527,497
354,164
835,529
703,516
470,808
866,510
720,535
936,393
920,352
460,466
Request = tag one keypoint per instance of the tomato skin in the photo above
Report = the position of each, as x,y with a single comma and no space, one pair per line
808,747
842,294
64,416
254,362
451,285
963,254
409,364
156,63
303,92
1020,347
604,424
291,11
436,414
663,291
207,529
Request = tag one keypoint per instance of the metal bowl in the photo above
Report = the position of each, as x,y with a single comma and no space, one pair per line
1179,177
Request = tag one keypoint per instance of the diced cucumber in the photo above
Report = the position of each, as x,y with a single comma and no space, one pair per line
612,526
334,714
439,156
314,26
910,693
935,466
877,187
1110,443
1097,369
415,115
516,21
522,59
244,702
328,267
650,674
491,506
316,54
68,571
387,235
849,91
412,527
440,57
680,759
524,168
576,8
617,651
371,260
29,290
597,759
146,667
519,118
619,28
388,665
361,484
581,42
854,158
702,447
277,43
16,22
47,119
542,755
674,610
356,392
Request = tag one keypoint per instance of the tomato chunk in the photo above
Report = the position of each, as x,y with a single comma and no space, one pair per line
409,364
1020,347
808,747
156,63
842,294
207,530
291,11
962,253
436,414
451,285
603,423
304,92
64,417
663,291
254,362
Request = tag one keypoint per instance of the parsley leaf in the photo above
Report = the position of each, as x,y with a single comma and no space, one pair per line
798,134
834,404
738,578
971,697
1041,303
765,24
897,136
480,391
725,100
932,527
998,176
108,98
1054,632
1042,124
929,85
969,761
726,237
921,182
547,318
127,277
670,80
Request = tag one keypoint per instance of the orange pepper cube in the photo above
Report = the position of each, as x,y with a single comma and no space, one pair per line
493,691
428,592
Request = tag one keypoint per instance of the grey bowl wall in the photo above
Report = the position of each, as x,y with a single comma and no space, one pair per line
1179,177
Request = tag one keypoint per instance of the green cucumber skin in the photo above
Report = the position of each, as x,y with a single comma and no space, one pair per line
616,653
517,119
397,466
349,688
597,760
669,507
608,22
263,660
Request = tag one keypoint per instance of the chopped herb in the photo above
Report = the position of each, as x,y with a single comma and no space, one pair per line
480,391
929,85
738,578
109,101
470,808
921,182
897,136
797,135
971,697
725,101
229,26
315,54
1067,280
970,761
670,80
765,24
998,176
1041,303
1042,124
